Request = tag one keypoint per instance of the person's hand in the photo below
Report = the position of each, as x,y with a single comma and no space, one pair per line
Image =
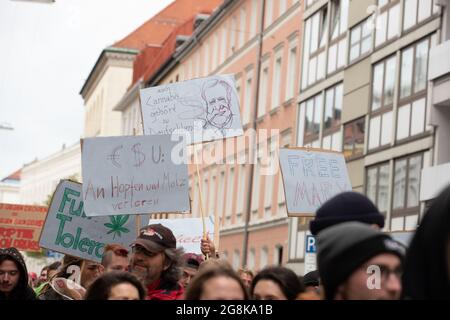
207,247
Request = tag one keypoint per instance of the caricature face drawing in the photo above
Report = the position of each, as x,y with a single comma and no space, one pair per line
217,96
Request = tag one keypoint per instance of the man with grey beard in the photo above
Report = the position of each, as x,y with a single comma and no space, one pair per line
157,263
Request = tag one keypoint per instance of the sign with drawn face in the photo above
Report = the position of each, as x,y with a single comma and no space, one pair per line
134,175
69,230
203,109
311,177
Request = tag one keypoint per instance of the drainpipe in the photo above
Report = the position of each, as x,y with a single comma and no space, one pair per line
252,145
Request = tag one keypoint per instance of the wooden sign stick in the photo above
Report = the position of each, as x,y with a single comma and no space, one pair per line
201,205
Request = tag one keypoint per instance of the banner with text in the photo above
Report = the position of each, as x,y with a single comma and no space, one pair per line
203,109
69,230
311,177
21,225
134,175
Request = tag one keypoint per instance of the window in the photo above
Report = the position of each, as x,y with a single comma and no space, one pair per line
354,138
195,197
221,194
197,66
263,91
254,13
414,69
206,59
241,191
285,142
205,191
251,259
333,107
248,98
216,51
264,257
412,103
230,196
277,79
315,38
383,85
406,184
387,22
417,11
256,185
282,7
360,39
223,45
313,118
233,31
278,255
332,138
377,185
268,188
242,28
212,194
239,92
338,43
269,13
236,259
308,3
291,71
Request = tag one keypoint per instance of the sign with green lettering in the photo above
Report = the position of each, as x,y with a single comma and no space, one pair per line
69,230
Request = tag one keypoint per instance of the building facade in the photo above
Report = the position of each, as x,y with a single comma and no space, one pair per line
40,178
259,43
437,176
364,91
10,188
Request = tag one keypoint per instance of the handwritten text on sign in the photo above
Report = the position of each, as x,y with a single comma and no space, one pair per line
21,225
205,108
133,175
68,230
188,232
312,177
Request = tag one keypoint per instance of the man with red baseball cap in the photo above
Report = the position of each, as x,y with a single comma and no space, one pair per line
157,262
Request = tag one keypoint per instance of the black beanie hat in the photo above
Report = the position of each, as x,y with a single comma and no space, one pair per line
345,247
346,206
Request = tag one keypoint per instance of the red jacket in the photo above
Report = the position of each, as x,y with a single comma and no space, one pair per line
155,292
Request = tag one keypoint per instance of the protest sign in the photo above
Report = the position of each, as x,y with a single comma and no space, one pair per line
134,175
188,232
205,109
21,225
311,177
69,230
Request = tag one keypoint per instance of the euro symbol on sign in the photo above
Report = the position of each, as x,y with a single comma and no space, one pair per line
114,156
139,157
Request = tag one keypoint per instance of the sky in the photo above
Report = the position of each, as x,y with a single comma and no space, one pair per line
47,52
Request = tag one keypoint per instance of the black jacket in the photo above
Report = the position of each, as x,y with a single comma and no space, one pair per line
22,291
426,273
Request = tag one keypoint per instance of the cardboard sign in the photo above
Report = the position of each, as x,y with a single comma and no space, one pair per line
69,230
134,175
188,232
21,225
203,109
311,177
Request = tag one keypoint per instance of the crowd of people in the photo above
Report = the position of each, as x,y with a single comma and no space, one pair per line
356,260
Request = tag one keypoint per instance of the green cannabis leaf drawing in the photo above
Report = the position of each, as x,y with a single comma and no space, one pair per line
117,225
